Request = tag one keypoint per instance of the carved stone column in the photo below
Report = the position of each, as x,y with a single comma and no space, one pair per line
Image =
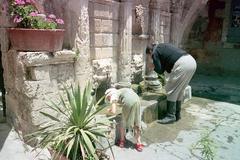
151,80
124,57
156,30
81,38
160,21
142,12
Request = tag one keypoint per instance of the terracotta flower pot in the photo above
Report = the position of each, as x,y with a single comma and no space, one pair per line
22,39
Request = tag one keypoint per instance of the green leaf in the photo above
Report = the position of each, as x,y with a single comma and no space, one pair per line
89,144
50,116
76,134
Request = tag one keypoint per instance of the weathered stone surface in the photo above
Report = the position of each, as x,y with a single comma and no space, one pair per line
104,39
46,58
12,109
4,40
153,95
40,73
33,89
180,24
64,54
31,79
137,68
102,71
4,17
106,9
119,85
102,53
30,88
39,105
149,110
124,73
139,45
101,10
14,71
62,74
78,32
104,25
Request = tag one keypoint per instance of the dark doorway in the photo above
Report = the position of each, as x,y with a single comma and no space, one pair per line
2,89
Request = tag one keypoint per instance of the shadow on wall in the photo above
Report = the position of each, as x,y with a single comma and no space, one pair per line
4,131
100,91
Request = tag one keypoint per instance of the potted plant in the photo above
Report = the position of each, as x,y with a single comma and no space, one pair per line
74,133
34,31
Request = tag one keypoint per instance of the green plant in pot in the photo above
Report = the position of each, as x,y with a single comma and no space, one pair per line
31,21
74,132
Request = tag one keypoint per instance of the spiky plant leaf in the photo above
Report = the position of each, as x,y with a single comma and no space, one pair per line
74,132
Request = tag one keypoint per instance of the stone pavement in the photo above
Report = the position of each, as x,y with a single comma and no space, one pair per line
175,141
163,142
13,148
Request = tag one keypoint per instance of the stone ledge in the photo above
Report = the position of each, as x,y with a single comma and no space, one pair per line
106,1
154,96
31,59
149,110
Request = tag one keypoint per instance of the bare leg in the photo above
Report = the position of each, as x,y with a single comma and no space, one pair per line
122,137
137,134
122,134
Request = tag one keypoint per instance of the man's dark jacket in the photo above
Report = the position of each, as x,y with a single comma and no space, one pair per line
164,57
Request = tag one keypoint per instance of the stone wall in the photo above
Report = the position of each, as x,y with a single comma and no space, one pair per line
104,32
31,80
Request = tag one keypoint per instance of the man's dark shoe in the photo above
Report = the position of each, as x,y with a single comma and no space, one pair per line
167,120
171,113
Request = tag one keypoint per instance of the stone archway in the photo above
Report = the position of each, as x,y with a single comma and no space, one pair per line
184,15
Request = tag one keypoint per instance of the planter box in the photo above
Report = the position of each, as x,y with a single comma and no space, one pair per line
49,40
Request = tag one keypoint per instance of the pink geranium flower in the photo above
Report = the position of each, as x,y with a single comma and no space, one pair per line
33,14
17,19
26,14
52,16
41,15
19,2
30,1
59,21
49,20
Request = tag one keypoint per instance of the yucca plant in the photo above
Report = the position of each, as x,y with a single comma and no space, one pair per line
74,132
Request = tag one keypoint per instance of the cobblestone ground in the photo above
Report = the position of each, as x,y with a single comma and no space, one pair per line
175,141
219,120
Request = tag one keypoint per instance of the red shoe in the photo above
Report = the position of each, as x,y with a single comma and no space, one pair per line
139,147
121,143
